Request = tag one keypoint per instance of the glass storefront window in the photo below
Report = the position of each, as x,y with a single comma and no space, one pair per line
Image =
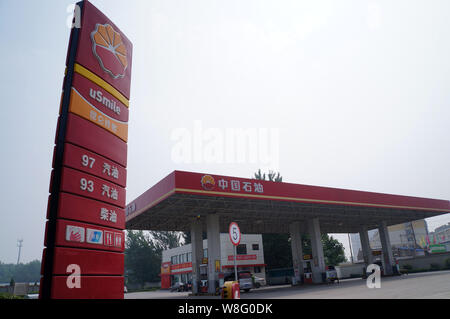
241,249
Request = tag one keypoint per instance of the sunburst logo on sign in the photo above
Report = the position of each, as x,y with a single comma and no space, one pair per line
208,182
109,50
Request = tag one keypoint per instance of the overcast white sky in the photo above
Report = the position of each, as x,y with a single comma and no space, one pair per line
357,91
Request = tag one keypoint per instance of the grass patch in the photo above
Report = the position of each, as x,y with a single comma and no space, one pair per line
6,295
143,289
435,267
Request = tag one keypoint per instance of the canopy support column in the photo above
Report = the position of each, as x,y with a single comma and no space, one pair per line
197,254
213,235
388,257
365,246
297,250
318,264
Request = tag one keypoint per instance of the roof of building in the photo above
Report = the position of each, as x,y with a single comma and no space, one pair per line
269,207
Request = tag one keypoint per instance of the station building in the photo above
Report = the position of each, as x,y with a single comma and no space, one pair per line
440,238
407,240
177,262
205,203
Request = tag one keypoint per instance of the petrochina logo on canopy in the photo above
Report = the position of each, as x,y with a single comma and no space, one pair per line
208,182
109,50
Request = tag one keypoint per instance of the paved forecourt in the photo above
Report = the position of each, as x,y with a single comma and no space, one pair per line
414,286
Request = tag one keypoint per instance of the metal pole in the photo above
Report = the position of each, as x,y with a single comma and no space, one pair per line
350,243
235,266
19,244
415,242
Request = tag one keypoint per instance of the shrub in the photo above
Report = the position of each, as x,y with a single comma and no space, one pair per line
407,267
447,263
5,295
435,267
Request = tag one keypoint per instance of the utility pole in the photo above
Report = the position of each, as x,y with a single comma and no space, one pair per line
350,243
414,241
19,244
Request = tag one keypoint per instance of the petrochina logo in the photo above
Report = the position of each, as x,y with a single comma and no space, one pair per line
109,50
208,182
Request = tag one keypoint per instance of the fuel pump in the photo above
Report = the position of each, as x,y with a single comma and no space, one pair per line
307,269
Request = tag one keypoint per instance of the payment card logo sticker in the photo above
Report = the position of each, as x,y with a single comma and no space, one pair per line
109,238
118,239
94,236
208,182
109,50
74,233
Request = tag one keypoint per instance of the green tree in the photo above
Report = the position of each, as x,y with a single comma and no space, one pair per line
186,236
166,239
260,176
333,250
272,176
277,250
142,258
143,254
29,272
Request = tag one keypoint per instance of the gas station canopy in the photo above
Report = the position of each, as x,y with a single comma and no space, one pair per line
269,207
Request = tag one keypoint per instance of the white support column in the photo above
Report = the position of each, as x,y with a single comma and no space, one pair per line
213,235
297,250
318,264
365,246
197,254
388,257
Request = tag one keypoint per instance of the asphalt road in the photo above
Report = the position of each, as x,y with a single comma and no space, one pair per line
413,286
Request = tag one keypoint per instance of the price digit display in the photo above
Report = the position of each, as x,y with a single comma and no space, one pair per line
86,185
87,161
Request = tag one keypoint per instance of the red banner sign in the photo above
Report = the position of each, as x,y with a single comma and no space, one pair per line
90,211
94,164
90,287
91,262
218,185
92,137
181,266
242,257
84,235
87,185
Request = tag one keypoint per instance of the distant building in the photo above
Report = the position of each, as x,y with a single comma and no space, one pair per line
356,248
407,240
441,236
177,262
